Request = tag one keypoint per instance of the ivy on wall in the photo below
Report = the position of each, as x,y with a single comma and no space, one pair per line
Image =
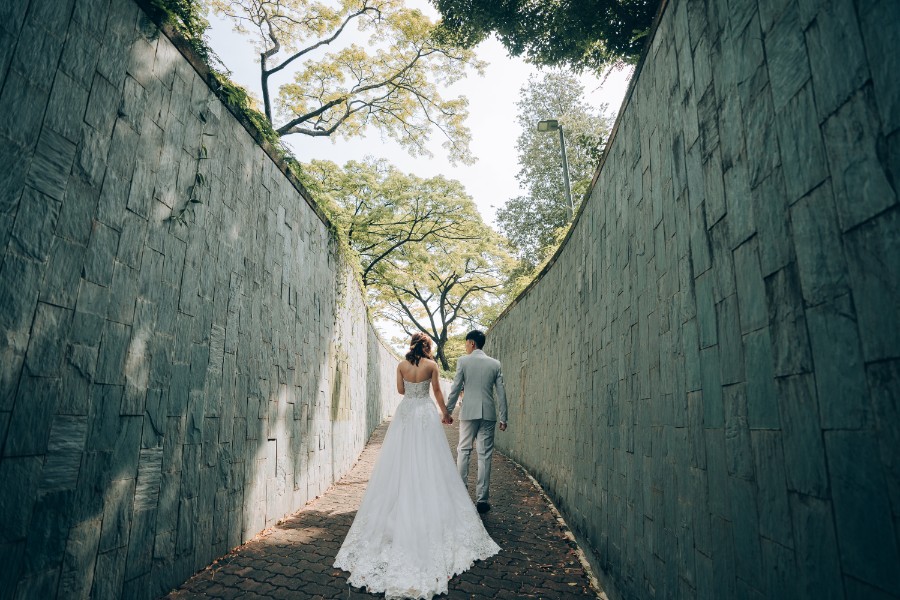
185,17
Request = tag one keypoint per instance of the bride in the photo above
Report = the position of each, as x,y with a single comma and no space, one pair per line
416,527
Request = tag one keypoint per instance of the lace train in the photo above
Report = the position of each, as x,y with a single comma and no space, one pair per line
416,527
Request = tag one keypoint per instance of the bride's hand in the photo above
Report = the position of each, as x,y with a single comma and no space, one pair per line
446,419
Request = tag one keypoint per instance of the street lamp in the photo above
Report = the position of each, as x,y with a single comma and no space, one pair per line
553,125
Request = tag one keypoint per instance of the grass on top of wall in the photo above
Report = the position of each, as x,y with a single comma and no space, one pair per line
185,18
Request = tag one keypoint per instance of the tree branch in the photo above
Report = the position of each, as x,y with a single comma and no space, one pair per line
289,127
327,40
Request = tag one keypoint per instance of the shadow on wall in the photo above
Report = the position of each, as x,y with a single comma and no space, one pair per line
166,390
714,406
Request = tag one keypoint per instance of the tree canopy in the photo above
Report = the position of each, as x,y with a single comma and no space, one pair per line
428,261
356,64
440,289
381,210
580,34
534,222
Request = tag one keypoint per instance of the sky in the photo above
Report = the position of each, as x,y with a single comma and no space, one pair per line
492,117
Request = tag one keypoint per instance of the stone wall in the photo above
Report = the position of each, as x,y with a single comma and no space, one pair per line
707,378
166,390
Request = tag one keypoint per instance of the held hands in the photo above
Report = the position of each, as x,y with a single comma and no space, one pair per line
446,419
502,426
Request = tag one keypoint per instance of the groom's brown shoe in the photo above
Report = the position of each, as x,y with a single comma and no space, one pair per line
483,507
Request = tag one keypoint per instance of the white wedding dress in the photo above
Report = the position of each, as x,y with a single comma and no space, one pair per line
416,527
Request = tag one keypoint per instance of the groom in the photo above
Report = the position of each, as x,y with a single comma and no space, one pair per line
478,374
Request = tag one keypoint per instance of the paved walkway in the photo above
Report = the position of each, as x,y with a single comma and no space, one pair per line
293,560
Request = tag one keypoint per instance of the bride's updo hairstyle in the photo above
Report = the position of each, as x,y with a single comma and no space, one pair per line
419,348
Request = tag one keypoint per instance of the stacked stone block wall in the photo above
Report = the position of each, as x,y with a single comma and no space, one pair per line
707,377
167,391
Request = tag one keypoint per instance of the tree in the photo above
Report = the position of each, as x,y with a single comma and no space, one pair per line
428,260
342,88
453,349
439,289
534,222
380,210
580,34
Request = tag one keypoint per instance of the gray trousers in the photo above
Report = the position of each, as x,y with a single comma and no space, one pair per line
483,431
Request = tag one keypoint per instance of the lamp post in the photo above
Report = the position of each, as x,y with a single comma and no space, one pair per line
553,125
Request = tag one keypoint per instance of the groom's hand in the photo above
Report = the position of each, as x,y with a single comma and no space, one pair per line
502,426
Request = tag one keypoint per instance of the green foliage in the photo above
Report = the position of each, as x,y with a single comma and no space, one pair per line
390,82
380,209
185,17
442,289
580,34
237,97
536,222
428,260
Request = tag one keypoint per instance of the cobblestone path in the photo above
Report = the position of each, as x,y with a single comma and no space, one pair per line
293,560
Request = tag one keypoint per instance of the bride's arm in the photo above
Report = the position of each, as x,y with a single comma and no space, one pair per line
400,387
438,393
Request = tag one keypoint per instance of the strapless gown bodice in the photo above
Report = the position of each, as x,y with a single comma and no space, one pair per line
417,390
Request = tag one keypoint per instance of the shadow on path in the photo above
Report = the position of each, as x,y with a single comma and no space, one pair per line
293,559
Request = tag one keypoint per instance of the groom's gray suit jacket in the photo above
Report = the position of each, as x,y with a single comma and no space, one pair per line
479,375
